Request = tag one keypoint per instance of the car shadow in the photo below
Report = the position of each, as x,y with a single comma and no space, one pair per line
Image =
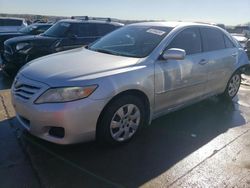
156,149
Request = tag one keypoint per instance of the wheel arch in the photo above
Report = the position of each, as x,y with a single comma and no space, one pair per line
133,92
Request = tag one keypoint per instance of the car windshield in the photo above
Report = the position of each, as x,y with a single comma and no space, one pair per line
28,29
60,29
131,41
10,22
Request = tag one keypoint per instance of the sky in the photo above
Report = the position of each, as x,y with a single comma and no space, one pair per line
230,12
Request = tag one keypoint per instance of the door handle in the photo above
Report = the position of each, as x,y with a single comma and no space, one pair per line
203,62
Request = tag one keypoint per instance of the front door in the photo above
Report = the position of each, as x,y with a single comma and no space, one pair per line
180,81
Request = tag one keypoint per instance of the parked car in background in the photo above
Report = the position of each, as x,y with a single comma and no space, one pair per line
241,38
244,42
248,51
110,89
11,24
64,35
33,29
243,30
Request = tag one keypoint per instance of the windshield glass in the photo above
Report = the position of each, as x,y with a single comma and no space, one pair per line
28,29
131,41
60,29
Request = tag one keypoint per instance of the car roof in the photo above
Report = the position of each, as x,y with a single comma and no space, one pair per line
11,18
91,21
173,24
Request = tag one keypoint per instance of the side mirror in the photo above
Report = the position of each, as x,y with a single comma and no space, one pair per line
174,53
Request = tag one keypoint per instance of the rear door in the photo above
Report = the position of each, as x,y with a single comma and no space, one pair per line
104,29
221,55
80,34
86,33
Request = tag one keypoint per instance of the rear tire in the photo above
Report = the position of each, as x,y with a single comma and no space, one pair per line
121,120
233,86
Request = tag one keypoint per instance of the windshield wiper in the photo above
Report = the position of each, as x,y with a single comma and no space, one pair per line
112,52
105,51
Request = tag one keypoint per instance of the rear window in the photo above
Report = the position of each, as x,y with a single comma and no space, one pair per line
213,39
228,42
10,22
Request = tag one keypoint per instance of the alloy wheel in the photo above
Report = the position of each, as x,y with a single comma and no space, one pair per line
234,85
125,122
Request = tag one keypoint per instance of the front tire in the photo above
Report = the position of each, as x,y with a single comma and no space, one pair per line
121,120
233,86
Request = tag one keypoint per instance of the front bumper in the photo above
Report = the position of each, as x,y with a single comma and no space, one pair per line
11,63
77,118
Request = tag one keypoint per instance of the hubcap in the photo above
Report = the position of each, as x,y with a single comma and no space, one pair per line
125,122
234,85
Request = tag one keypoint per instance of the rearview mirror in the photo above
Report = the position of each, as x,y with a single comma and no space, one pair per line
174,53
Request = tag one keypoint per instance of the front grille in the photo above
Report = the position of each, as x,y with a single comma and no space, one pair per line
24,91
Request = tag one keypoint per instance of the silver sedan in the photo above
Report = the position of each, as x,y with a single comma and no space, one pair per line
123,81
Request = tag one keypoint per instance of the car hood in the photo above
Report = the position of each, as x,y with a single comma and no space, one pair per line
34,39
4,36
66,67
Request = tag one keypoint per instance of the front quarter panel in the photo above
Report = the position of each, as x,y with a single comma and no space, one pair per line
138,77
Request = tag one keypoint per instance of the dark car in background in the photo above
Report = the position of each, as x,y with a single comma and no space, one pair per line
64,35
248,50
33,29
11,24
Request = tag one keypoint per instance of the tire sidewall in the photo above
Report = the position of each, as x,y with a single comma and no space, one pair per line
103,128
226,93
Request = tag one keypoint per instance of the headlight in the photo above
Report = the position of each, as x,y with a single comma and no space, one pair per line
21,46
57,95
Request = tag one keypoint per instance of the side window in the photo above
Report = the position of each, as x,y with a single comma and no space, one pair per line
86,30
104,29
188,40
212,39
228,42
